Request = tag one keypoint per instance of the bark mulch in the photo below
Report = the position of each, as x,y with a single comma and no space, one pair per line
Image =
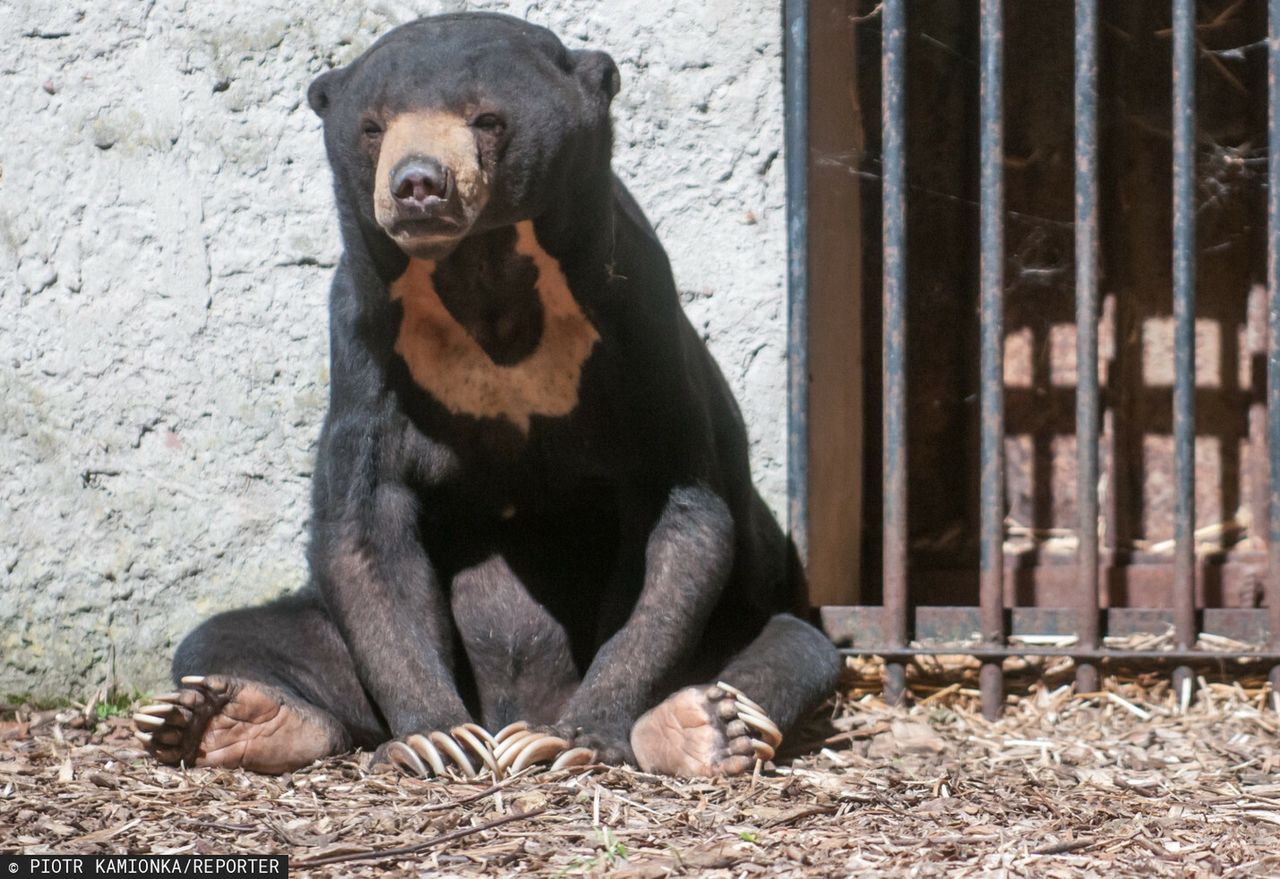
1121,782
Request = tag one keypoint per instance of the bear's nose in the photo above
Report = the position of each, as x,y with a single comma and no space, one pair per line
416,181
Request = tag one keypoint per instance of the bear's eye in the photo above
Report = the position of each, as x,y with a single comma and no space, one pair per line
489,122
371,128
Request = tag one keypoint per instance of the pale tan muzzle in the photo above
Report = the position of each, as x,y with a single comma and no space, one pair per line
448,139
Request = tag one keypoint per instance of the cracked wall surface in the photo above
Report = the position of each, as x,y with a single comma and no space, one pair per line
166,241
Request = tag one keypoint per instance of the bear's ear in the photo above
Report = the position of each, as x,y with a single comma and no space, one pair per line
324,89
597,72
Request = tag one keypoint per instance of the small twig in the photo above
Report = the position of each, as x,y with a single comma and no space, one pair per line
1063,848
438,807
801,815
218,825
859,19
383,854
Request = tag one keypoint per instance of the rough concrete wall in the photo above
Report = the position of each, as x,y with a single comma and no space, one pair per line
166,241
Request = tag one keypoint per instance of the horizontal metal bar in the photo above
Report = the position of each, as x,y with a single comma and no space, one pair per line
982,652
862,628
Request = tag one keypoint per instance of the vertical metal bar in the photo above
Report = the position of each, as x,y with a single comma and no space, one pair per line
991,271
1184,299
796,124
1086,258
1273,338
893,111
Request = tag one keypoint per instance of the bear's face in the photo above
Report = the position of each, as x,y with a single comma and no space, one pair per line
462,123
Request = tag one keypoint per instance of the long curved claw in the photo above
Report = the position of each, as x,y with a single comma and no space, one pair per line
537,751
145,719
480,732
512,743
574,757
404,757
514,749
509,730
750,713
767,729
479,746
438,753
742,698
447,745
425,749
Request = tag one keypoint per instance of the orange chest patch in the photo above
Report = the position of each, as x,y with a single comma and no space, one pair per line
450,365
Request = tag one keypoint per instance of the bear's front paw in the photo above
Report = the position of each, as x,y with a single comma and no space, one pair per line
608,741
467,750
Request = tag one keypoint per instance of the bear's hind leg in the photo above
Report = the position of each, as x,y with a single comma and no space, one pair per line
269,689
722,728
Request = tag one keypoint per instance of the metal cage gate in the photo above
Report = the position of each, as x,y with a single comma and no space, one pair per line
889,630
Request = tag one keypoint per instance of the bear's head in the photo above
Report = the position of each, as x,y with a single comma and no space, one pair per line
461,123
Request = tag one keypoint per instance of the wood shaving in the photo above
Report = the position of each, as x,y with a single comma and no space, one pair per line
1115,783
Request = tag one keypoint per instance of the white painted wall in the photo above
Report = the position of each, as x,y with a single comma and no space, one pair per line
166,240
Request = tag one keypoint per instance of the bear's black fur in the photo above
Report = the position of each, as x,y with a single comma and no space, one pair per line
567,548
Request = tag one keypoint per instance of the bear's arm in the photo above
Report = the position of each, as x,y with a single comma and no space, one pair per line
367,561
688,556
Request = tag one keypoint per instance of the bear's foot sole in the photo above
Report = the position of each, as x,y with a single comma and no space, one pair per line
704,731
232,723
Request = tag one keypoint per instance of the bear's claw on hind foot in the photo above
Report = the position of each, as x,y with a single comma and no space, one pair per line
750,713
513,749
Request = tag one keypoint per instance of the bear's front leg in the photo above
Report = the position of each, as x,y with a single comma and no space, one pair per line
688,558
385,598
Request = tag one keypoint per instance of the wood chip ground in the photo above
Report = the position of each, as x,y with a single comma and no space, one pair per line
1118,783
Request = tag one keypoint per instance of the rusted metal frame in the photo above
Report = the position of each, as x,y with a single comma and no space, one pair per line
1086,265
1184,300
991,298
1273,338
893,122
796,135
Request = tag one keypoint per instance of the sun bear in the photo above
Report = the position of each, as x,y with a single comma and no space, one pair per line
534,535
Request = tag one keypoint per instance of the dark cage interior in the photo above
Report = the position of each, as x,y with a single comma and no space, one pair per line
1136,340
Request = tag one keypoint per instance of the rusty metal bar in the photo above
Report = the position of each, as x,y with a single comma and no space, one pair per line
958,627
992,654
893,111
1086,259
1273,338
991,297
1184,308
796,125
